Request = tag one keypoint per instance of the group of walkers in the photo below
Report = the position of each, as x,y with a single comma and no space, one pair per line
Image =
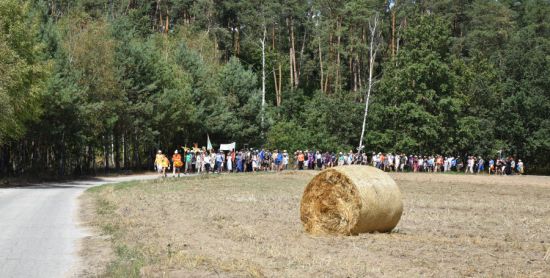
203,161
439,163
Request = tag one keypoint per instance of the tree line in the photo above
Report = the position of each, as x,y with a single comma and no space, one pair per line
94,85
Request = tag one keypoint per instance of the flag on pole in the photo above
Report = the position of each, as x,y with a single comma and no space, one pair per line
208,143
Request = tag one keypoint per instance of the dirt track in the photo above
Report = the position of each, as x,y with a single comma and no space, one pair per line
249,225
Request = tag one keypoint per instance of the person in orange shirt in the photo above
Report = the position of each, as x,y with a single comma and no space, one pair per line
301,159
438,163
176,163
233,158
383,162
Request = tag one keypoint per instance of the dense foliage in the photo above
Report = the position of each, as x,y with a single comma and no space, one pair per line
97,83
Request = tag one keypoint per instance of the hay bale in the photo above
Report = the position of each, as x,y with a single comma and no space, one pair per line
351,200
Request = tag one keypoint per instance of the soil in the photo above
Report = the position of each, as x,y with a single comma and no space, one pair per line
249,225
95,250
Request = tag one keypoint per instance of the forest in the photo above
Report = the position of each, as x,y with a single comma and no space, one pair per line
88,86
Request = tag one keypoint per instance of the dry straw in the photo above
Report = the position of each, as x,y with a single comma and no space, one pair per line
350,200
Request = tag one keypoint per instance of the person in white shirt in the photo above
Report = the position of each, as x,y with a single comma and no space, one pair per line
229,163
397,162
470,167
206,162
520,167
198,162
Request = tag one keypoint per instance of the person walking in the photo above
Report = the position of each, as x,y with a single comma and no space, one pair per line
233,157
328,161
212,160
491,166
480,165
279,161
521,168
274,162
310,160
470,165
158,162
508,166
229,162
219,162
188,162
341,159
397,161
206,162
255,161
301,159
240,159
176,163
319,160
165,164
199,164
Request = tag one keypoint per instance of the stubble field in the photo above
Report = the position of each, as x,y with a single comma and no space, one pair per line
249,225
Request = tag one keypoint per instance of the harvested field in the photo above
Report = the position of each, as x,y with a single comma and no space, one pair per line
249,225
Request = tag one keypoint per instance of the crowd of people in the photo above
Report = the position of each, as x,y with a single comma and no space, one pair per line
439,163
203,161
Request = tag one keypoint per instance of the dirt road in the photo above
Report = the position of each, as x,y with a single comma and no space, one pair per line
39,229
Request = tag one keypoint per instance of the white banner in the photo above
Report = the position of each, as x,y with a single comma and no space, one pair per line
228,147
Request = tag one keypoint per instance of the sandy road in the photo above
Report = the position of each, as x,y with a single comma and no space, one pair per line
39,229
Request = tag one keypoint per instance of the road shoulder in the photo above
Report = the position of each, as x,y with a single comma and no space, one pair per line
95,250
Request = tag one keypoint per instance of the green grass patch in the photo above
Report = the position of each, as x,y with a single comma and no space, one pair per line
127,264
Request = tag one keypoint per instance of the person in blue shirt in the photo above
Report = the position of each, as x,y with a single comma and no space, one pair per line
239,162
279,161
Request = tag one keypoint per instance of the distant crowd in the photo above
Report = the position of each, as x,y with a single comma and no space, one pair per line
203,161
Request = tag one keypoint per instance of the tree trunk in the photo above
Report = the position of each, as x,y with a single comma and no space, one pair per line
238,43
372,57
290,65
137,163
280,83
124,152
273,38
166,25
321,66
5,161
106,153
359,79
117,152
262,41
62,160
295,71
338,36
275,83
393,29
302,50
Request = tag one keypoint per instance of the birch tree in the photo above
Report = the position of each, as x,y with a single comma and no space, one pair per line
262,41
373,50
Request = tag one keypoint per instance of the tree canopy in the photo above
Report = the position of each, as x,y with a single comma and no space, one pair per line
90,84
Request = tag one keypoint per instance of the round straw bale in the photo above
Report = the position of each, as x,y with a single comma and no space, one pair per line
350,200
